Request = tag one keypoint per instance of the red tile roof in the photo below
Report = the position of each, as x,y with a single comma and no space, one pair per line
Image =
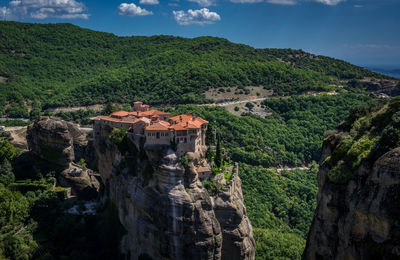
116,120
158,126
149,113
189,121
120,113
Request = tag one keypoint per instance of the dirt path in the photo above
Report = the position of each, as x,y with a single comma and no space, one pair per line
18,133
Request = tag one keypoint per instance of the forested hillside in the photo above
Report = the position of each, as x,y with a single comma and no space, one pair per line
280,204
64,65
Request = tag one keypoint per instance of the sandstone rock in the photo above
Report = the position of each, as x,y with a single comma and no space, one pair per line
167,212
59,142
359,219
82,185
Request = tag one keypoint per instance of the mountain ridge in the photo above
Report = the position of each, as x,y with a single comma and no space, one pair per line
63,64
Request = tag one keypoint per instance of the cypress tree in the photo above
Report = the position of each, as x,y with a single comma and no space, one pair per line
210,137
218,153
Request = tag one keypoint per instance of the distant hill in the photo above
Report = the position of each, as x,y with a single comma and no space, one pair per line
64,65
392,71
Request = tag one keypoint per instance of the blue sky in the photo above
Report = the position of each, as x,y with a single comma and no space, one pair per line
364,32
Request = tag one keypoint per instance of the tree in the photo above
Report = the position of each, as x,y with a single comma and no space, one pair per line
110,108
210,135
218,153
127,107
249,105
6,174
8,151
36,110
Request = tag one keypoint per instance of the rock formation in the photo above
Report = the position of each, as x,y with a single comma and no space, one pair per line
82,184
162,204
61,143
54,140
358,210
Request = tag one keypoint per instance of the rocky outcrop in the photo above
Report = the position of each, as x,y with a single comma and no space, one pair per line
238,241
167,212
53,139
358,219
59,142
82,184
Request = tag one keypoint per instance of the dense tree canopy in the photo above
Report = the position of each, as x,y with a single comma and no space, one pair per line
64,65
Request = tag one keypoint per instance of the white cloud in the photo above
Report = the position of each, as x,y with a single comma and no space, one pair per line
204,2
42,9
200,17
288,2
149,2
132,10
330,2
282,2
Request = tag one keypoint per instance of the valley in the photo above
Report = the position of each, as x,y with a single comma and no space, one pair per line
76,184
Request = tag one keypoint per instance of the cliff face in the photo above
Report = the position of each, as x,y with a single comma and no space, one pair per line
59,142
52,140
357,215
167,212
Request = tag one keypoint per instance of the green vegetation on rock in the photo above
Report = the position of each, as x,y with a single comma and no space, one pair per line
367,133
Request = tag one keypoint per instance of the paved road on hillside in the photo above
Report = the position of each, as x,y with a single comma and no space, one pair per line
239,102
224,104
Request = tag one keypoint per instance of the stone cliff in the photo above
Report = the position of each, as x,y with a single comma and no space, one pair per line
358,210
162,204
61,143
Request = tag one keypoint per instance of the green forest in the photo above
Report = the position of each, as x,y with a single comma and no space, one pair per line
292,136
280,205
50,65
34,223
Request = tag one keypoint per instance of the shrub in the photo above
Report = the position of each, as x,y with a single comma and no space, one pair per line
340,174
82,163
228,176
117,135
236,108
360,150
249,105
185,160
211,186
